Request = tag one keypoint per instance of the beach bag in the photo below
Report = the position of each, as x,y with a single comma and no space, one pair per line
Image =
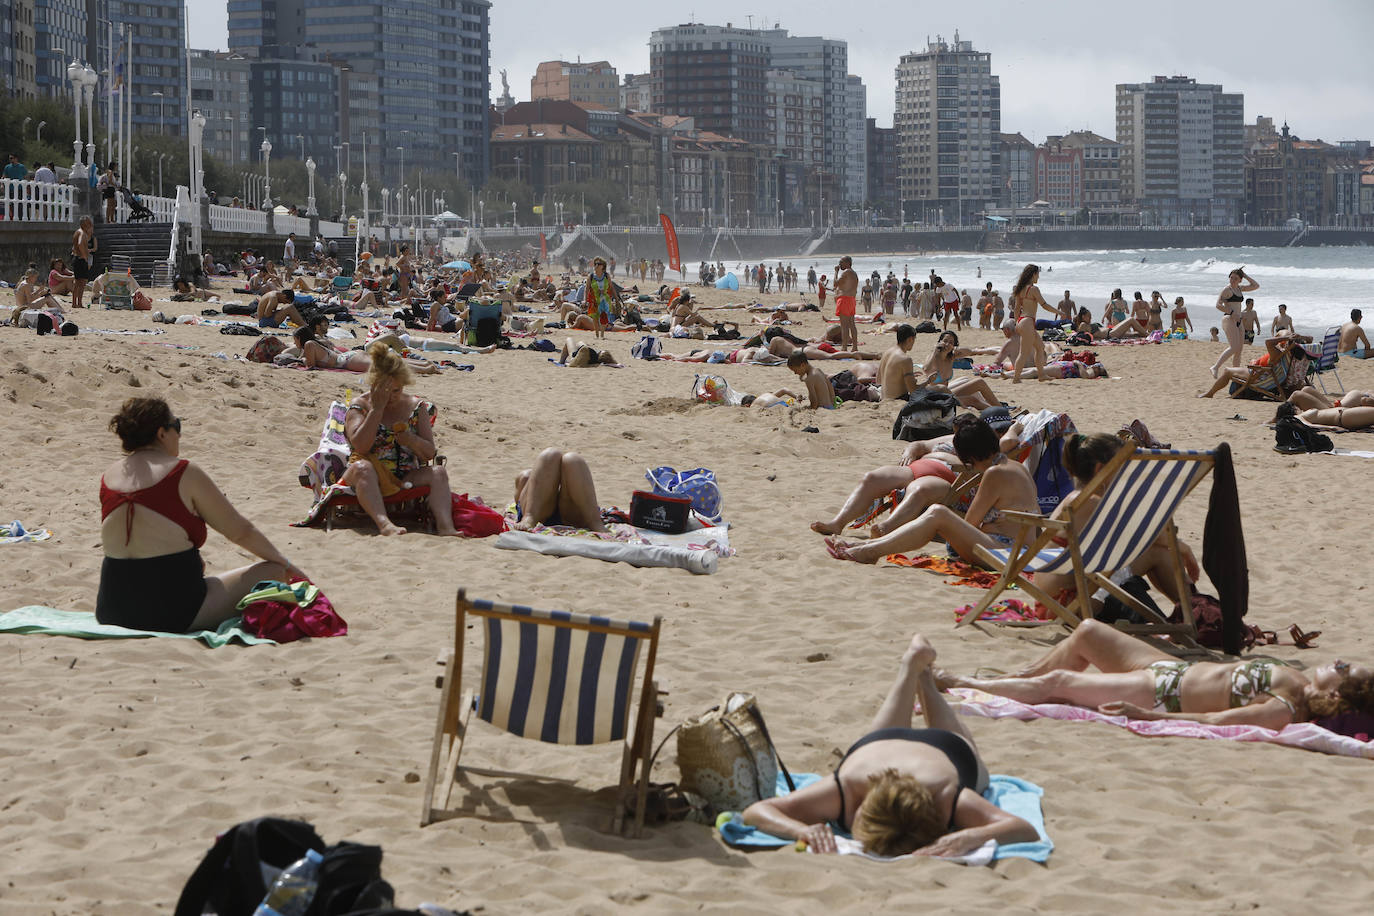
697,486
726,755
1053,482
647,348
715,390
238,308
287,612
350,881
234,876
266,349
475,519
929,413
1294,437
665,514
141,301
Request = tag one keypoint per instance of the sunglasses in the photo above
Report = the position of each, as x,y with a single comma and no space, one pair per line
175,424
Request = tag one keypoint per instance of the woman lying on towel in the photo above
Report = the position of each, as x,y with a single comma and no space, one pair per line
154,511
391,435
1136,680
558,490
1006,486
900,789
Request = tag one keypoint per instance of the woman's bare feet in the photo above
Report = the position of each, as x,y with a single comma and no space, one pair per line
920,654
825,528
390,529
841,550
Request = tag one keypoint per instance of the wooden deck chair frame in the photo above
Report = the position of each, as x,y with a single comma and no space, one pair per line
1326,363
1267,381
456,706
1028,544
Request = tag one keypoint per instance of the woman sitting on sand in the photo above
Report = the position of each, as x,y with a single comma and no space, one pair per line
899,789
939,369
154,512
391,437
1136,680
61,281
30,294
1006,485
558,490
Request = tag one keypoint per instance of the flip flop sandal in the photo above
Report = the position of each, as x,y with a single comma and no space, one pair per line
1303,640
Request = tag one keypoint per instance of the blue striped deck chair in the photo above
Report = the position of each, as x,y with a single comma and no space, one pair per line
1327,361
551,676
1140,490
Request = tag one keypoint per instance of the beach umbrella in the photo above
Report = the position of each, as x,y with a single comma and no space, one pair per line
729,281
457,265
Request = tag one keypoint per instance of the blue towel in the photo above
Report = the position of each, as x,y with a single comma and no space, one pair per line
54,622
1015,796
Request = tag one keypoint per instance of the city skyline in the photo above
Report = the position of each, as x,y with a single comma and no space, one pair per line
1326,100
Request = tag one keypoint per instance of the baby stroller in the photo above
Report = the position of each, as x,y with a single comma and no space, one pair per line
138,211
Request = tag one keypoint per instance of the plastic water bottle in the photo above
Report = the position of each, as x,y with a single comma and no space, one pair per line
291,893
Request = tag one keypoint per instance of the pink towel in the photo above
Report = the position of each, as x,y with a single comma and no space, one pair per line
1305,735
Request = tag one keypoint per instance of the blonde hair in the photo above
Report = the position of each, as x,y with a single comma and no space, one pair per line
897,816
387,364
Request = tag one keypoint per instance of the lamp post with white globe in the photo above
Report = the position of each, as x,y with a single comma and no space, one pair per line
267,173
310,196
76,74
89,81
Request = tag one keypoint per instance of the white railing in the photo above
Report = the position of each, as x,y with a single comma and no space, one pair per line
282,223
164,208
35,201
237,219
331,230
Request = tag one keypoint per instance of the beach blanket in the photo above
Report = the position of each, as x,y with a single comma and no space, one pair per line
1008,610
700,562
1349,453
53,622
1306,735
1015,796
15,533
964,573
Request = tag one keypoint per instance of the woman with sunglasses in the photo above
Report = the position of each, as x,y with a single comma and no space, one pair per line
1136,680
154,510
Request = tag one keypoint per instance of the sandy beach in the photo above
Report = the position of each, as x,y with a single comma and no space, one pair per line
123,759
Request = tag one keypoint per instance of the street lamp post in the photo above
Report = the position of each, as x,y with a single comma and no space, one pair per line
386,193
343,198
89,80
160,157
159,97
402,151
74,73
608,213
267,170
301,138
39,136
310,197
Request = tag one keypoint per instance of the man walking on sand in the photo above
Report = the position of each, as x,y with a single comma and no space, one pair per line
846,298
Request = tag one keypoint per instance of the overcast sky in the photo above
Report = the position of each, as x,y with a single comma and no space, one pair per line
1058,61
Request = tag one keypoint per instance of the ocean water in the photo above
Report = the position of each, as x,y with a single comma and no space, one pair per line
1319,285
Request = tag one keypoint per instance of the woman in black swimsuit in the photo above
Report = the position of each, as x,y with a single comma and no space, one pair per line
900,789
1229,304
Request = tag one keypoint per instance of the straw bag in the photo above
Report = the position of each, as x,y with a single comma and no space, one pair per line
726,756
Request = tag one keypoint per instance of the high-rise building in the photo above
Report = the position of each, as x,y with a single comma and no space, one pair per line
577,82
60,36
18,58
949,122
295,97
1076,170
796,117
635,93
881,146
826,62
855,168
156,73
1182,151
714,75
1017,184
219,91
417,70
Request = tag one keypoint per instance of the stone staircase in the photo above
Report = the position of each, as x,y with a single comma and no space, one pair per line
144,244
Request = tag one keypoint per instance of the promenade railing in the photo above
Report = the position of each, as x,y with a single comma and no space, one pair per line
164,208
35,201
237,219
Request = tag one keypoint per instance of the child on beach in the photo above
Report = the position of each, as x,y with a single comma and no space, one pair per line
820,395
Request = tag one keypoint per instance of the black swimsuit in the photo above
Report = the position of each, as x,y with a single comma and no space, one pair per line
955,747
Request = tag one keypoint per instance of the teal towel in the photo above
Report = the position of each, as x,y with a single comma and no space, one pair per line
52,622
1015,796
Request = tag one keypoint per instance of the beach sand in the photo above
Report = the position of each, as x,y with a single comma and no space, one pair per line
123,759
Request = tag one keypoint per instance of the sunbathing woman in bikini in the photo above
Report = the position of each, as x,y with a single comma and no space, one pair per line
939,369
899,789
1342,417
1006,485
1136,680
1309,398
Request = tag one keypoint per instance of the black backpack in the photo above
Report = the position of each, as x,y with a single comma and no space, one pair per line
929,413
1294,437
229,880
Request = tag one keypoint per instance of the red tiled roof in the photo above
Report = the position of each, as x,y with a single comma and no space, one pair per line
535,132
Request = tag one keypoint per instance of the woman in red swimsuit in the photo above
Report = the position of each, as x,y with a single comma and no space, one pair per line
154,510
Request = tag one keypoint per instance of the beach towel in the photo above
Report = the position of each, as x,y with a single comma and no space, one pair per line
964,573
700,562
15,533
1015,796
53,622
1306,735
1009,610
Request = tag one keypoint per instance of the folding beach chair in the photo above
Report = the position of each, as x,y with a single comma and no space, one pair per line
344,281
1276,381
551,676
1326,362
1140,490
118,290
